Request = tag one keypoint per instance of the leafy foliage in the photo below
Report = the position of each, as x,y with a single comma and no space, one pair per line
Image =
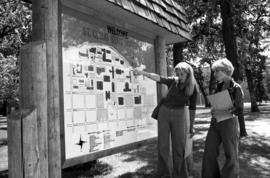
251,24
9,78
15,30
15,26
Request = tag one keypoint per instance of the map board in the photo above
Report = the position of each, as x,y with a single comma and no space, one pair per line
105,104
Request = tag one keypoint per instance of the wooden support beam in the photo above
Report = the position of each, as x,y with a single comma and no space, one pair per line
15,164
33,92
53,39
47,27
24,159
161,63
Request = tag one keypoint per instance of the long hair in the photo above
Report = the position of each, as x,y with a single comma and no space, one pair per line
190,84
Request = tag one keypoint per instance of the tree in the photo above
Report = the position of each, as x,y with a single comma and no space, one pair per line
207,45
214,38
9,78
252,27
229,37
15,28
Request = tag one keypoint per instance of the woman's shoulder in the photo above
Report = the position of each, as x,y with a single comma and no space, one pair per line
237,88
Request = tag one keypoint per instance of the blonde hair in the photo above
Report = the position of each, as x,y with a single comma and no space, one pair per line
224,65
190,82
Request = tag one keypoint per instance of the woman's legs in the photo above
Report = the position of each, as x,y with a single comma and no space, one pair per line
163,142
210,168
230,139
179,128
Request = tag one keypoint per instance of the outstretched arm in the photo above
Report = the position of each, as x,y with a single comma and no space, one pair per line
152,76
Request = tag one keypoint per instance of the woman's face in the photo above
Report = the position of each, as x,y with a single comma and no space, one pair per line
220,74
182,75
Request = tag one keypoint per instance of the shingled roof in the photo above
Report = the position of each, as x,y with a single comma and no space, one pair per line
164,13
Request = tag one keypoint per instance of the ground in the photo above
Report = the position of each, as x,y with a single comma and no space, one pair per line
141,163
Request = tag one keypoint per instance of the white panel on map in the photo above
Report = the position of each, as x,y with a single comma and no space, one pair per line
130,123
145,112
113,126
67,101
91,128
78,101
122,125
100,101
107,86
112,113
121,113
129,100
78,117
68,118
149,100
138,113
70,130
90,101
102,115
103,127
67,83
79,129
91,116
130,113
66,69
120,87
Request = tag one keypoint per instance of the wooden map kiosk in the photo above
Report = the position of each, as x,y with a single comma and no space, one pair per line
79,98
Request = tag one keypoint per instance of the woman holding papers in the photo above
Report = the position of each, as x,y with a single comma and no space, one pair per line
224,124
175,119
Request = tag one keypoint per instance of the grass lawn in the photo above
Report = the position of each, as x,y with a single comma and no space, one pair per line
254,153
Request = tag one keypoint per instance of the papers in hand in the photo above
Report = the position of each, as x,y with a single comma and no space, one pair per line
188,147
222,103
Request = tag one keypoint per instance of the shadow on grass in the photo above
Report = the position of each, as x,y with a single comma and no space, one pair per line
146,154
89,169
254,156
254,153
4,174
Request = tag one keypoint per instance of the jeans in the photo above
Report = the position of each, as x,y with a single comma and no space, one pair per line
225,132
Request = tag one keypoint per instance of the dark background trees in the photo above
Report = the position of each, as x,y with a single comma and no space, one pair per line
15,30
232,29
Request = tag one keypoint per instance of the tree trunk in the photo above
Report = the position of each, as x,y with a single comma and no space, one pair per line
206,102
211,84
229,37
254,106
177,53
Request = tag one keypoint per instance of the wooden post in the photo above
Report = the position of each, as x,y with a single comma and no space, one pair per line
47,27
161,63
33,92
53,38
30,144
15,164
23,144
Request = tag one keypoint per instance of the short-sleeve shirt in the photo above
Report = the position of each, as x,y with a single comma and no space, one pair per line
176,97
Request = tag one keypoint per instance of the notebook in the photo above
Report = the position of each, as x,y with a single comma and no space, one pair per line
221,101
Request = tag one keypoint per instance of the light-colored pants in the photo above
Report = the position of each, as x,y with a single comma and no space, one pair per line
174,123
